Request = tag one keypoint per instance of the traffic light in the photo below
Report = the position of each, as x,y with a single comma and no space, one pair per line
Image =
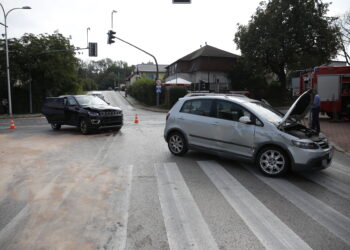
92,49
111,37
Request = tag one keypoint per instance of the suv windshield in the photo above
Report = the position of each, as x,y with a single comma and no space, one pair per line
266,111
90,100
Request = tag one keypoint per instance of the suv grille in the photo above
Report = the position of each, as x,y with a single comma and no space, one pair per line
111,113
322,144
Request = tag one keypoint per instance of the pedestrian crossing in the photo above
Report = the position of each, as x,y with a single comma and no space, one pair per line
187,225
187,228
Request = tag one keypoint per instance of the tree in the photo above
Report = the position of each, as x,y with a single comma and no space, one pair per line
106,73
344,26
45,62
286,35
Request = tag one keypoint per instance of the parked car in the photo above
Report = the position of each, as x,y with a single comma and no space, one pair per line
246,129
87,112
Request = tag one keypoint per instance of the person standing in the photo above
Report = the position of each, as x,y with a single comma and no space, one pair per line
315,110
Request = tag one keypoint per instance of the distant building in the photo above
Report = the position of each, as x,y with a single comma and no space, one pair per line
206,68
148,70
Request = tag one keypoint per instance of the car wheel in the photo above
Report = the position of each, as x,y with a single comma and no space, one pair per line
272,161
177,143
84,129
55,126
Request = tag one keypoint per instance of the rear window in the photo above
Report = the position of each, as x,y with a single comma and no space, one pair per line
55,102
197,107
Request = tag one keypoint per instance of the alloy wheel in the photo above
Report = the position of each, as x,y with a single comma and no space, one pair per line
272,162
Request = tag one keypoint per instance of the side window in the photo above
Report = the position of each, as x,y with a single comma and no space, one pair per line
58,103
229,111
72,101
197,107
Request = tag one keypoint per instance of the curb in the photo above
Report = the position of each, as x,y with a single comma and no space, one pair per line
7,117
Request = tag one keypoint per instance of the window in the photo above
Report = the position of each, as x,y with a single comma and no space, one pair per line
58,103
229,111
197,107
72,101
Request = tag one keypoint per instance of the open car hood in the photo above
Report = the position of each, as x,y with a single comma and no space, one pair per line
299,108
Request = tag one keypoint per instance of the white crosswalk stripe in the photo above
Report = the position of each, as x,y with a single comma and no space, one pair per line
330,183
337,167
334,221
186,228
268,228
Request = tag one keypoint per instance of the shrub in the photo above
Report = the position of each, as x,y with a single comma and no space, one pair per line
144,91
175,93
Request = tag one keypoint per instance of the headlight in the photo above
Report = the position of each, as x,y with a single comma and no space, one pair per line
304,144
93,113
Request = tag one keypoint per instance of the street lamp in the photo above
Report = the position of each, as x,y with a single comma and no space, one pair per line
7,53
114,11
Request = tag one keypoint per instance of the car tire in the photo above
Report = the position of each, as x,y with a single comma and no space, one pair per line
273,161
83,126
55,126
177,143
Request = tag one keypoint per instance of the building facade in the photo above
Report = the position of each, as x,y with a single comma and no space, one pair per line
206,68
148,70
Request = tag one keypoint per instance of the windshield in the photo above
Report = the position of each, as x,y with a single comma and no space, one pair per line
90,100
265,111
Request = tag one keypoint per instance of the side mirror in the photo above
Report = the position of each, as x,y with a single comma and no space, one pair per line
245,120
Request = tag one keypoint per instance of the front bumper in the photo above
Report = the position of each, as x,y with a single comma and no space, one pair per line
106,122
307,160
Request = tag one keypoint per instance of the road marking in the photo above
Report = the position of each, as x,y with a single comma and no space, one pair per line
325,215
185,225
329,183
121,210
267,227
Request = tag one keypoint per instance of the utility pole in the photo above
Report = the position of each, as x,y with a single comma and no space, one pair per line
7,54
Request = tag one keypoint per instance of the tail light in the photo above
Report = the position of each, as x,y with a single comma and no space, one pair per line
167,116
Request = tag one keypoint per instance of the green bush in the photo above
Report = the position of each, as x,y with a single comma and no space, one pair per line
144,91
175,93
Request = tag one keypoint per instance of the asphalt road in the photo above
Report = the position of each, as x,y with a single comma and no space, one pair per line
124,190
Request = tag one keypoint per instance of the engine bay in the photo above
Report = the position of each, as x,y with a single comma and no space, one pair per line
300,131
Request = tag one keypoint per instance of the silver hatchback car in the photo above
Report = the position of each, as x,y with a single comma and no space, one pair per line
242,128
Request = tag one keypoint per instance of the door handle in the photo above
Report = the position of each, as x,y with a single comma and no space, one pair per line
215,123
180,118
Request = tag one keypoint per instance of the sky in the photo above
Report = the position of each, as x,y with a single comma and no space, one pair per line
166,30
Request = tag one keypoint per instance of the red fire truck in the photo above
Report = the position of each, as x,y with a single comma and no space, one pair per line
333,86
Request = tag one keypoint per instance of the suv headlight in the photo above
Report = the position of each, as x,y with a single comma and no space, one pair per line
93,113
305,144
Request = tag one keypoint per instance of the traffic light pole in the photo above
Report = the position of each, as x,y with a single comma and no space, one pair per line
157,75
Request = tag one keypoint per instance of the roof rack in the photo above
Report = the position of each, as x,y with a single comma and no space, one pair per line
193,94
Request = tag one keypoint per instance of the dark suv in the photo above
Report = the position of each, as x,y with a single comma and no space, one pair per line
87,112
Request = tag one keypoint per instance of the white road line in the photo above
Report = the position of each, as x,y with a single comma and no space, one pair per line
267,227
325,215
329,183
185,225
122,201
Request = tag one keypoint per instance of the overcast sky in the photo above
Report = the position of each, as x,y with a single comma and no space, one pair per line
168,31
